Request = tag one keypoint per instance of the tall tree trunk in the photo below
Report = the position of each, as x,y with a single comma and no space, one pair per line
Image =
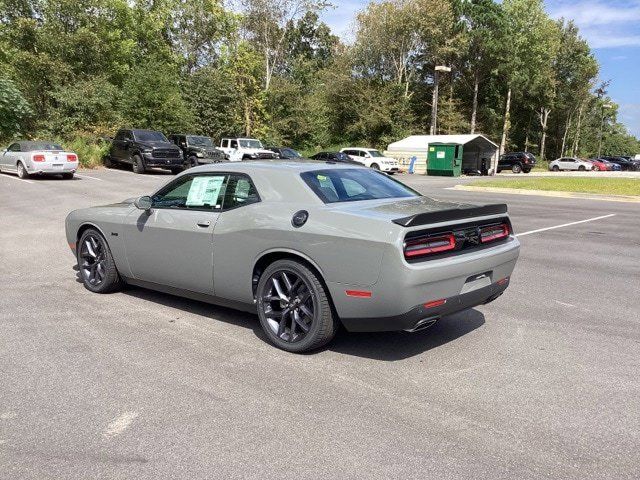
474,109
507,120
567,126
544,121
576,139
247,118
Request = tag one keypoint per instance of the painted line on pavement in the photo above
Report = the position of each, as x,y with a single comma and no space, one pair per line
565,225
15,178
119,424
87,176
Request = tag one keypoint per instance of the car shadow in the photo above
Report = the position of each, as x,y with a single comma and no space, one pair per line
384,346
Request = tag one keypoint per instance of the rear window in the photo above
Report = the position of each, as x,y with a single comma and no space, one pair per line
31,146
348,185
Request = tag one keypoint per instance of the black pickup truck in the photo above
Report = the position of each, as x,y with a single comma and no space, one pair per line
197,149
145,149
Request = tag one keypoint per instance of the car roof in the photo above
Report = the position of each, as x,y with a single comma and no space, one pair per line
40,144
275,165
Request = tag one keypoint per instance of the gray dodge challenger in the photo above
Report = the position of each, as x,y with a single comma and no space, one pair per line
307,245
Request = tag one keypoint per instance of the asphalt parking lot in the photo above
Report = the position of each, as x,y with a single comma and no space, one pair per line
542,383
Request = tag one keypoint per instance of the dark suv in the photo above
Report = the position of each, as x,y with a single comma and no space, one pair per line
625,162
517,162
144,149
197,150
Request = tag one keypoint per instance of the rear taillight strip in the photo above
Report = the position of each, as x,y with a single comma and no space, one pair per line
428,245
494,232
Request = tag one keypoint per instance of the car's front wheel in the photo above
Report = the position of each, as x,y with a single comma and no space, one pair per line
581,168
97,268
138,165
375,166
516,168
294,307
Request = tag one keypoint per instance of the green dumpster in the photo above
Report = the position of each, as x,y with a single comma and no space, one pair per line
444,160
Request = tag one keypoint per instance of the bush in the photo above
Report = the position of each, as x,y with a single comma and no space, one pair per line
90,150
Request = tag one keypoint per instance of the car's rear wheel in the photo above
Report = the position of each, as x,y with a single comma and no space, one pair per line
375,166
68,176
138,165
516,168
294,308
555,168
22,171
96,265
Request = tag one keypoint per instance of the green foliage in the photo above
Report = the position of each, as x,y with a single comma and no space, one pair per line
14,109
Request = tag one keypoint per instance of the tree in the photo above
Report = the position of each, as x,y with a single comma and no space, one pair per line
14,109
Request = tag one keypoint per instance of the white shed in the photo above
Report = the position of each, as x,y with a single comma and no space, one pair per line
476,148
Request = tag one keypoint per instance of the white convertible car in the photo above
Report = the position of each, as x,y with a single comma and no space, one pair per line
38,158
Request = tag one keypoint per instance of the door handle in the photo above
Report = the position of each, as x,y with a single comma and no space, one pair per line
204,224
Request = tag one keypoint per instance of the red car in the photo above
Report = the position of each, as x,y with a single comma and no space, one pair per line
600,166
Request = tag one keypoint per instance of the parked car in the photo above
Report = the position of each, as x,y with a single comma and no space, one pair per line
372,158
516,162
238,149
197,149
285,152
306,246
570,163
144,149
38,158
338,157
622,162
599,165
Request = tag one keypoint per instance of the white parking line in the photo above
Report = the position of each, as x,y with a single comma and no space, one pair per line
119,424
15,178
87,176
565,225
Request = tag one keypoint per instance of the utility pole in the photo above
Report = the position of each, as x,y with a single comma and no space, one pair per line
434,103
604,107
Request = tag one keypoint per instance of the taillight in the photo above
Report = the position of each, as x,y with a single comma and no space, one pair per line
38,158
427,245
494,232
72,158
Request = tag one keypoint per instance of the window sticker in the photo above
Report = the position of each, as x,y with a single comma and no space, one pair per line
204,191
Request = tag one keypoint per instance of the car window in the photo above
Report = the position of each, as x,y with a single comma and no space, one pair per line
345,185
234,144
291,153
239,191
149,136
14,147
199,192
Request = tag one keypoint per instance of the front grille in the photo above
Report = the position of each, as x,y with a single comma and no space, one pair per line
214,154
166,153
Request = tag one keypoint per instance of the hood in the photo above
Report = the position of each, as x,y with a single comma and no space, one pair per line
158,144
394,208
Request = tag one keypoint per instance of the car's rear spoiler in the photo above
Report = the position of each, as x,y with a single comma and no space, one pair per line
449,215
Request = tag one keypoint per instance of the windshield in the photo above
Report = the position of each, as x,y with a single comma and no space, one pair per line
375,153
348,185
249,143
200,141
149,136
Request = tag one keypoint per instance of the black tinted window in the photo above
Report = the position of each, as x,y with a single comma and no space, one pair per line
346,185
149,136
240,191
14,148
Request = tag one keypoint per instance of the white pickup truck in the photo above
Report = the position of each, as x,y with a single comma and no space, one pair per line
240,149
372,158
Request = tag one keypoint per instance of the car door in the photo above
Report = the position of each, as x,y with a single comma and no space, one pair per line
8,159
172,244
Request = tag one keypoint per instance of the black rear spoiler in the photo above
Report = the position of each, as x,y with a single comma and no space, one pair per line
449,215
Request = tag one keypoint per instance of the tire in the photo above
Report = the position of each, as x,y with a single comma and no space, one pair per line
283,319
555,168
138,164
581,168
517,168
68,176
108,162
93,249
375,166
22,171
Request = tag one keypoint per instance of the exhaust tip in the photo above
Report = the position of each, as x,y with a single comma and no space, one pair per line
422,324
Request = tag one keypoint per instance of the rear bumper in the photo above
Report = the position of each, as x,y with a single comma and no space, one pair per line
67,167
422,314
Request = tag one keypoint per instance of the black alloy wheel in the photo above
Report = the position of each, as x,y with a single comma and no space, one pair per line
516,168
294,308
138,165
95,263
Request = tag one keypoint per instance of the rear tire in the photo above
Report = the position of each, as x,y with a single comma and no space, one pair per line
22,171
555,168
96,266
294,308
138,165
67,176
516,168
375,166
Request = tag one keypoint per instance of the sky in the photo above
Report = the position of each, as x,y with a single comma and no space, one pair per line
612,29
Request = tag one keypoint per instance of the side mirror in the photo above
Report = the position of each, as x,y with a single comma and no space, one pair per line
143,203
